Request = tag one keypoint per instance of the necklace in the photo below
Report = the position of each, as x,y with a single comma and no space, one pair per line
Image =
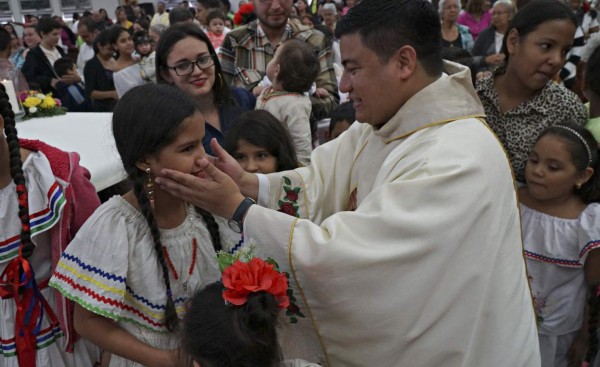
190,270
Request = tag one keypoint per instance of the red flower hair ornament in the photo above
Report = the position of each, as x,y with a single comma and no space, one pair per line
242,278
243,274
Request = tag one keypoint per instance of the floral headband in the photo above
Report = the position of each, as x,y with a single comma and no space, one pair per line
243,274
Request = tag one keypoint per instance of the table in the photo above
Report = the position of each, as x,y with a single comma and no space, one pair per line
88,134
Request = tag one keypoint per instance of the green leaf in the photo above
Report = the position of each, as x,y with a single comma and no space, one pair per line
287,181
297,190
280,203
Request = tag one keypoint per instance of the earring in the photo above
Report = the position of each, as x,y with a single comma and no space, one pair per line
578,186
150,188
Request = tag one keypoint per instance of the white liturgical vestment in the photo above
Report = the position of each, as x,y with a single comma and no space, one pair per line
404,241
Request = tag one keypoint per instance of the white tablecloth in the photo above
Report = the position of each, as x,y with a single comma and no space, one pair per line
88,134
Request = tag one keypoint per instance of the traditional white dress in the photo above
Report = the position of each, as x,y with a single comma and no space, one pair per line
411,252
556,250
112,269
46,202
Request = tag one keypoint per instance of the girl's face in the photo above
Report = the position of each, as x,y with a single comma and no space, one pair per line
31,37
124,44
538,56
200,82
550,173
216,26
254,159
183,152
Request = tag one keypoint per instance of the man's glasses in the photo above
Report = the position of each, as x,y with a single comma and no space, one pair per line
187,67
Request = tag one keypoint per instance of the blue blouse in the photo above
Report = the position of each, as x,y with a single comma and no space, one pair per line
228,114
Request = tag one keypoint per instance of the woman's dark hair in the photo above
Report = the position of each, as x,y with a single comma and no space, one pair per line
5,39
145,120
385,26
261,128
114,32
46,25
178,32
144,23
298,65
592,71
535,13
220,335
589,191
474,7
102,39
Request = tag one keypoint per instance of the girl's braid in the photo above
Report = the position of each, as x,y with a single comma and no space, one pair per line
16,171
171,319
213,228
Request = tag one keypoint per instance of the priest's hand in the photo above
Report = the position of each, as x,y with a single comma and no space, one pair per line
212,190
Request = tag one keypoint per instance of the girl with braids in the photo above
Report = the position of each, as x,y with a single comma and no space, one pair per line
45,197
561,234
139,258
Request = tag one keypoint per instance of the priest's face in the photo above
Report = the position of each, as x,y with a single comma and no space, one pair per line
375,87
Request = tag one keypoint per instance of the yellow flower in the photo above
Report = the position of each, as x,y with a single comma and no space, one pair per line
48,102
32,102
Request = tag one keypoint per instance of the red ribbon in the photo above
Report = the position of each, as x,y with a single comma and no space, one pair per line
20,284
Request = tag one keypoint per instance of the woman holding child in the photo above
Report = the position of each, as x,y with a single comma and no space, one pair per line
186,58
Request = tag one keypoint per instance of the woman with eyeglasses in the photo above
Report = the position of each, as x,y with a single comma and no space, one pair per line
186,59
130,71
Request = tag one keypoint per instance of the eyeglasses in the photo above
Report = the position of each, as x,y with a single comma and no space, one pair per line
499,12
187,67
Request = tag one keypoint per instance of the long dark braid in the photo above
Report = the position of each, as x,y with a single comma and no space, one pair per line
593,310
138,179
16,171
213,228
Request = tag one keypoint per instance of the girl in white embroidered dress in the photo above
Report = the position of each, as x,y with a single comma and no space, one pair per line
561,232
138,259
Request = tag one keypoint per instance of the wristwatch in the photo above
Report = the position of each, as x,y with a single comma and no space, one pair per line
236,222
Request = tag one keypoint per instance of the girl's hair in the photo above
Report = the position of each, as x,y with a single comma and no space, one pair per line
16,171
261,128
145,120
179,32
593,314
583,155
298,66
220,335
535,13
474,6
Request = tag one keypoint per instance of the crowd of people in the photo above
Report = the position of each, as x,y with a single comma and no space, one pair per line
449,215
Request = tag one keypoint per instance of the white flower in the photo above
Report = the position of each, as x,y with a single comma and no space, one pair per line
32,109
41,96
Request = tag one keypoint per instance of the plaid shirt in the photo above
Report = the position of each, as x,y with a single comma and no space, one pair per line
246,51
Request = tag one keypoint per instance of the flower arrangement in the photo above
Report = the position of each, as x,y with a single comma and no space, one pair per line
244,15
37,104
243,274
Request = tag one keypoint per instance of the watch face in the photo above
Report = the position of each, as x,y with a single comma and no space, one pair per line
235,226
